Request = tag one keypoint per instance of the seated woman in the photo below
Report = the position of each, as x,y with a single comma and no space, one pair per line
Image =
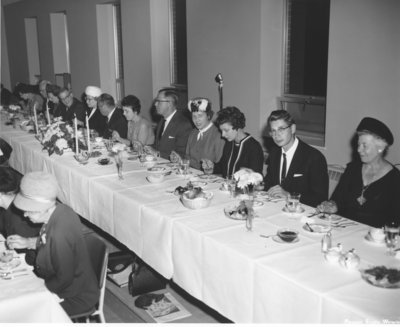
139,128
204,142
32,99
97,121
241,150
12,220
62,259
369,189
55,106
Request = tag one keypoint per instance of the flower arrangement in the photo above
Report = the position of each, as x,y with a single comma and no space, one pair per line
246,177
59,137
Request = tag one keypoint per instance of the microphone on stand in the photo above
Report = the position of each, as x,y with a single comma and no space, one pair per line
220,82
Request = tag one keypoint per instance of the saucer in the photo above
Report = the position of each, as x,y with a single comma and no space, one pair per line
371,241
317,228
334,218
297,213
277,239
10,265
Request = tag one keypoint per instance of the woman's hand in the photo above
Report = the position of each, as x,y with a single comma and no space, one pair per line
207,164
19,242
327,207
175,157
115,136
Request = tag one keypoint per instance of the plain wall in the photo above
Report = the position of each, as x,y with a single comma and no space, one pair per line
243,41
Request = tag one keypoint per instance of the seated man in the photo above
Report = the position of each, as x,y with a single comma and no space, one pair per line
115,119
294,166
173,129
5,152
72,106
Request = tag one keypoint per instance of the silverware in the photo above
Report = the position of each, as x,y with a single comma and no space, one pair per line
266,236
310,228
6,273
313,214
396,249
13,276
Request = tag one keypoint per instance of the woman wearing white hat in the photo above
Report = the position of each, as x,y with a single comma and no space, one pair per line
62,258
97,121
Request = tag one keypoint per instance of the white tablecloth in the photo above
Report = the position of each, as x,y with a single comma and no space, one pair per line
243,276
25,298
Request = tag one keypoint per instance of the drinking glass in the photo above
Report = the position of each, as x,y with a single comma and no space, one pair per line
392,235
231,186
185,166
293,202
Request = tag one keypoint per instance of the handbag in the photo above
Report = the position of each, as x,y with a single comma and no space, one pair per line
144,279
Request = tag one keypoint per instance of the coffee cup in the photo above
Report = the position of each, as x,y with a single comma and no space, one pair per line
377,234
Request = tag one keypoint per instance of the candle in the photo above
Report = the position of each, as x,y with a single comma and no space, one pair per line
35,119
88,132
48,112
76,135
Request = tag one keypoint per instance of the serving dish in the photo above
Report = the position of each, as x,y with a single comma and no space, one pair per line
381,276
198,202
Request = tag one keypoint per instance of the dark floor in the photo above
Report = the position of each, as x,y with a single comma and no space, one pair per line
119,305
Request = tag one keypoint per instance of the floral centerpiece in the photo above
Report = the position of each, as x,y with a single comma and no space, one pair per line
59,137
246,179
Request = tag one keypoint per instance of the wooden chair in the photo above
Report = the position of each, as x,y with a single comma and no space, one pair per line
98,253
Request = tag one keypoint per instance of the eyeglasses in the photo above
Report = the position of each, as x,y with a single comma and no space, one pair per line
158,100
66,97
279,131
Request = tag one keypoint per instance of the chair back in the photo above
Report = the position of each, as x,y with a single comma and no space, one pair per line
98,253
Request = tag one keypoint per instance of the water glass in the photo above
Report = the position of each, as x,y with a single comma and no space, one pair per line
293,202
185,166
231,187
392,235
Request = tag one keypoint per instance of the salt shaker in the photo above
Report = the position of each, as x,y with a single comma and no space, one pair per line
326,242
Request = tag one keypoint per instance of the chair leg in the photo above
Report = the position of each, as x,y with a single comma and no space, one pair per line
102,319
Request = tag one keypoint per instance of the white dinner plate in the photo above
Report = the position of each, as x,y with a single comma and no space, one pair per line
317,228
379,277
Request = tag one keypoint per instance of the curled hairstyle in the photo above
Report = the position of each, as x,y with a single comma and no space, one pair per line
281,114
132,102
53,89
233,116
106,99
170,93
9,181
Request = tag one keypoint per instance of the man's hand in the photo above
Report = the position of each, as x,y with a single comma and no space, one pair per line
277,192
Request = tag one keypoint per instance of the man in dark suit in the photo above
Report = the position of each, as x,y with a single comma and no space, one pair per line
294,166
72,107
173,129
115,119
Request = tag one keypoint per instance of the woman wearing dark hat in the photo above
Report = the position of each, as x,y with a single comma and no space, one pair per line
139,128
62,258
369,189
241,150
204,142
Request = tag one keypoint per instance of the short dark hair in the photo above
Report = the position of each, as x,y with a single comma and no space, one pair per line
9,180
172,93
132,102
53,89
106,99
281,114
233,116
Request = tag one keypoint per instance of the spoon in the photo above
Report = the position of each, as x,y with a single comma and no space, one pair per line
309,227
266,236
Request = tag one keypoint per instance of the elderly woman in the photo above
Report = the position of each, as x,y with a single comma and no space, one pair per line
62,258
205,142
96,120
12,220
241,150
139,128
369,189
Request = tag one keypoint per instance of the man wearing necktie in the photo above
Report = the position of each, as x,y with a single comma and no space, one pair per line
294,166
115,119
173,129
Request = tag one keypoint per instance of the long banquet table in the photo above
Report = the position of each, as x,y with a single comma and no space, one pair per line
24,297
247,278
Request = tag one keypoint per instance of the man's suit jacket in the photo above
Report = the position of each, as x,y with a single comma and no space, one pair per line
97,122
307,174
77,108
117,123
174,137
